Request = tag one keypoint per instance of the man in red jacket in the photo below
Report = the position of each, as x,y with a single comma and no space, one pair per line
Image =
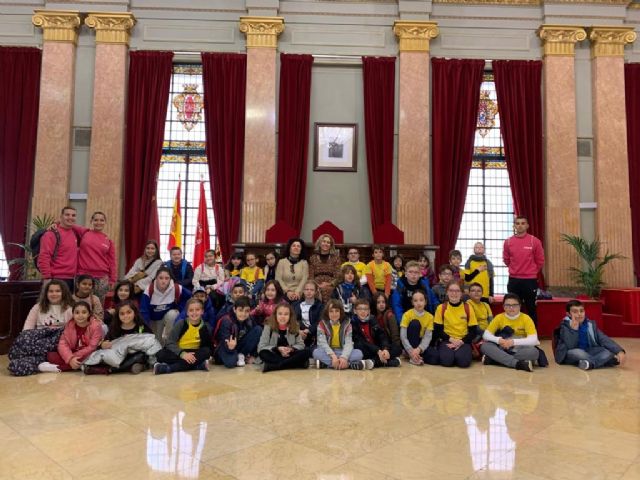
524,256
60,262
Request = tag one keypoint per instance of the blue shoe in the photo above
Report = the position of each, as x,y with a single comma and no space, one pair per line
160,368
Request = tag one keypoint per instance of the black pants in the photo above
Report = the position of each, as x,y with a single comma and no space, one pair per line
414,338
176,364
445,356
527,290
274,361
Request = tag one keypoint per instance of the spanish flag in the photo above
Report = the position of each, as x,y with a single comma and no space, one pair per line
175,234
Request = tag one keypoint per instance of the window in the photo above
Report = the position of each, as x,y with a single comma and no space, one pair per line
184,159
488,210
4,266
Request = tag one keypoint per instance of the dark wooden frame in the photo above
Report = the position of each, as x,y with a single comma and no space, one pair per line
354,153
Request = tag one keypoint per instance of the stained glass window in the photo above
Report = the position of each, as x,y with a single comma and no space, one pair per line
488,210
184,159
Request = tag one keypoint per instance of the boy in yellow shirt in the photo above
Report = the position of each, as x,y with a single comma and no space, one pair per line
353,259
252,274
378,273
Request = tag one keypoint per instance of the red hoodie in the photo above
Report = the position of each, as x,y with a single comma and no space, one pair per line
523,255
97,256
65,264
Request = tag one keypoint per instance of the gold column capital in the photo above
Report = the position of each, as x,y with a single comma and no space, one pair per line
262,32
111,27
560,40
609,41
414,36
58,25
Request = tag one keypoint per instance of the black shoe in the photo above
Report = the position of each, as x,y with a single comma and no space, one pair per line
357,365
93,370
136,368
319,365
487,361
524,365
393,362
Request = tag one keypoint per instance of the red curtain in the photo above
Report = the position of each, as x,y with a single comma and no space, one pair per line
224,78
148,98
456,94
19,99
519,90
632,89
293,137
379,75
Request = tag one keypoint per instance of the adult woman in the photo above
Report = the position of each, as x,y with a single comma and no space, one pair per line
144,268
292,270
97,256
324,265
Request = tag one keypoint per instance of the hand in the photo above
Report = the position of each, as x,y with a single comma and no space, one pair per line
291,295
112,311
54,225
621,357
208,290
353,299
231,342
506,344
490,299
482,268
335,362
105,345
188,357
575,324
456,342
75,363
342,363
284,351
383,355
416,354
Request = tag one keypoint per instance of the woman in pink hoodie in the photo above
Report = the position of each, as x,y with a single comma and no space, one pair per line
80,338
97,255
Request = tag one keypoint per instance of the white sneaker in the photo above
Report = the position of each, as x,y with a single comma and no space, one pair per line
368,364
418,363
48,367
241,362
584,365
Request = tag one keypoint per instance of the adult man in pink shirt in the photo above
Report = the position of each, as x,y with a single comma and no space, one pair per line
524,256
60,263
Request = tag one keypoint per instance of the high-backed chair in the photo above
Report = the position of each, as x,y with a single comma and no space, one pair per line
328,228
388,233
280,232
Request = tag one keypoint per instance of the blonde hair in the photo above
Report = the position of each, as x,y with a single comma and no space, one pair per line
332,250
293,326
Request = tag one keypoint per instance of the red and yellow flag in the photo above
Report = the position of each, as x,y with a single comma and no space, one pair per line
175,234
202,230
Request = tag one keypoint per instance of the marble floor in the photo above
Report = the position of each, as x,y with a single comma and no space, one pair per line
485,422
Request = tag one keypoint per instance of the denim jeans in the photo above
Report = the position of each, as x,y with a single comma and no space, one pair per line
320,354
596,356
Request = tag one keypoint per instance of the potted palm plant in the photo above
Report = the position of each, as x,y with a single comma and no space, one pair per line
27,263
589,275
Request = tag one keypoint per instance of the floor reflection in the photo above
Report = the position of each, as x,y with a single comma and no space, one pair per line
178,452
491,446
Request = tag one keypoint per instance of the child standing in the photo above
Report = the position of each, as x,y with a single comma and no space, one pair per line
281,346
335,344
370,338
81,337
416,329
378,272
455,260
237,337
581,343
84,292
271,296
308,311
188,345
348,288
454,328
480,270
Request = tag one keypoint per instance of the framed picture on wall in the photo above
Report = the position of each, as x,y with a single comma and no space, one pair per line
336,147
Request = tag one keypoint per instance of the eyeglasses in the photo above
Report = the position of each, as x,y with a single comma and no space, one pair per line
511,305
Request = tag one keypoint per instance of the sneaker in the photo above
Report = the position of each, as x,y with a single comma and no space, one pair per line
418,363
93,370
393,362
524,365
319,365
584,365
241,362
136,368
368,364
204,365
256,360
357,365
160,368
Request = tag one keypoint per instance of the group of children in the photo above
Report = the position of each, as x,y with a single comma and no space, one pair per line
378,313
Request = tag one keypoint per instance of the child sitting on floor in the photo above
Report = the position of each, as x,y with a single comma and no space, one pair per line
416,329
281,346
335,343
236,337
370,338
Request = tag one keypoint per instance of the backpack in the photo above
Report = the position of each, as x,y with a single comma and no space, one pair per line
36,240
466,309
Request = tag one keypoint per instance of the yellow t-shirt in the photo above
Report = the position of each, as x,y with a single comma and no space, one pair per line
522,326
251,275
191,338
482,278
359,266
456,323
379,272
425,319
335,336
483,312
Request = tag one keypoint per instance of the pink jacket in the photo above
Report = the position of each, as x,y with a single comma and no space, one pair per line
69,339
97,256
523,255
65,264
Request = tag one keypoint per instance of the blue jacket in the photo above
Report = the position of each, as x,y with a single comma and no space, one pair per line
182,274
400,303
566,338
151,312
